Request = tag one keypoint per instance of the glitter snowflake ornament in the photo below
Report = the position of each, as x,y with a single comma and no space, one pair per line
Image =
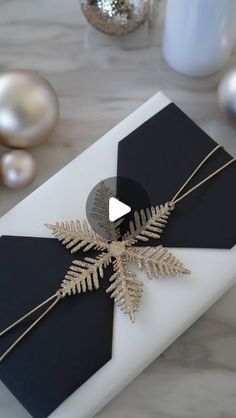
125,287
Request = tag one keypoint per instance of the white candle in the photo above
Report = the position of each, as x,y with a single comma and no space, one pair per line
199,35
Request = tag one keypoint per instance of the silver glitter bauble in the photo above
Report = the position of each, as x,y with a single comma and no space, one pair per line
227,96
29,109
116,17
17,169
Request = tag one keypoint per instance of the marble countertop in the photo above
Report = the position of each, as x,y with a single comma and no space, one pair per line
99,81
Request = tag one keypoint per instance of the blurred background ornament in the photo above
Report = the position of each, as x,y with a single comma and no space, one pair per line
17,168
227,96
117,17
29,109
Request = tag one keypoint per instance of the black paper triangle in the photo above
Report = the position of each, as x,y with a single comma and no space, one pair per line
69,345
160,155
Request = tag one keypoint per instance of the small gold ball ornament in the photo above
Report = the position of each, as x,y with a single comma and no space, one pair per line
227,96
29,109
17,169
116,17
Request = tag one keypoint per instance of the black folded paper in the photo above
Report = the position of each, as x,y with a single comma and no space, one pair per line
160,155
75,339
69,345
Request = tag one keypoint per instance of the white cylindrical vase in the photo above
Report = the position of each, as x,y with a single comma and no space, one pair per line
199,35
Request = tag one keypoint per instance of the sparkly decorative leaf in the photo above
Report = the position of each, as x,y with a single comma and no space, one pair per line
156,261
149,223
85,275
126,289
101,212
78,236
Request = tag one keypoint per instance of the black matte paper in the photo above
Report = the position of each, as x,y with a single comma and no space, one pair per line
65,348
160,155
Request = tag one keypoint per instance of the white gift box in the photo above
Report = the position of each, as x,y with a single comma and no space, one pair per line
168,307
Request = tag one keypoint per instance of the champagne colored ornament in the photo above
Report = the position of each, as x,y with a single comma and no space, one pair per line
116,17
125,287
17,169
29,109
227,96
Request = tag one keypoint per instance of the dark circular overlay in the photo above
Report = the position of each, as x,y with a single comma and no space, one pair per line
121,188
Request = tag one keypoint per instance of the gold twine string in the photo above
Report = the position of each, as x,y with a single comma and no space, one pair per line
177,199
56,295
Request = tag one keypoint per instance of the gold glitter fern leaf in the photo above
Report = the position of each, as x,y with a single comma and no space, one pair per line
85,275
126,289
100,212
156,261
149,223
76,236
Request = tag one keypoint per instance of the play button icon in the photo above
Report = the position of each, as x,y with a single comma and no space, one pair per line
112,204
117,209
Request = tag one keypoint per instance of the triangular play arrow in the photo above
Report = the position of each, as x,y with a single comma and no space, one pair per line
117,209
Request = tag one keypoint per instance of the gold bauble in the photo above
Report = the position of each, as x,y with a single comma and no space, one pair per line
116,17
17,169
29,109
227,96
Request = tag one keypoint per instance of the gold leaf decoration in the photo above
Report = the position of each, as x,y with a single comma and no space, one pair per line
100,212
156,261
85,275
125,287
76,236
149,223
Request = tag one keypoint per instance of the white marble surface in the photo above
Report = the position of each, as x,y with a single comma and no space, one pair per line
99,81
